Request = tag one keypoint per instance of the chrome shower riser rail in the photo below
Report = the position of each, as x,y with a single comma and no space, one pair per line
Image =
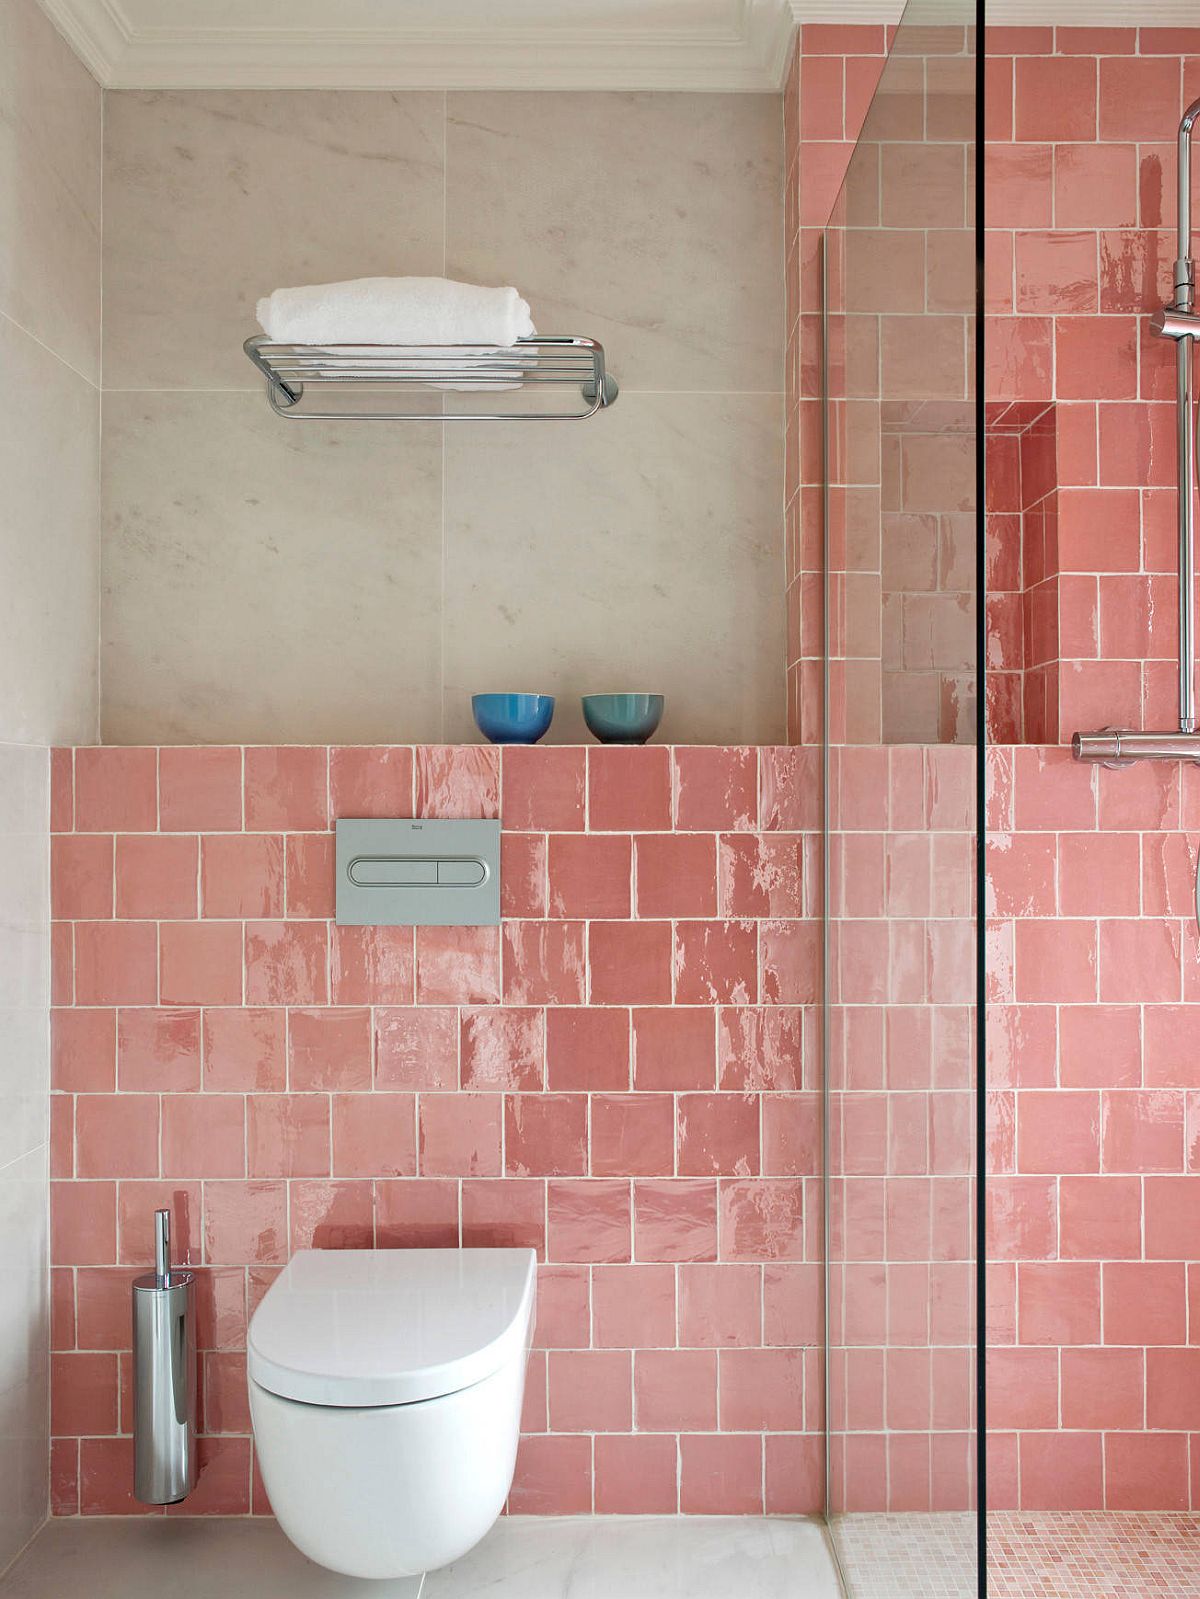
1184,306
1180,322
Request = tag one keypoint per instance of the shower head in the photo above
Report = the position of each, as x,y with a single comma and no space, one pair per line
1185,267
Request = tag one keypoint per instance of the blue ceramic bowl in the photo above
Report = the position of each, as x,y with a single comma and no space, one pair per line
622,718
513,718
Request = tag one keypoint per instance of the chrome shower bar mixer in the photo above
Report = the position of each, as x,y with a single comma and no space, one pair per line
1181,322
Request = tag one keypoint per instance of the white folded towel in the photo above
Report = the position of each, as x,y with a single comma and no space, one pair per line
408,311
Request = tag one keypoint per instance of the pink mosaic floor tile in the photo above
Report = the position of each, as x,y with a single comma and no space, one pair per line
1031,1555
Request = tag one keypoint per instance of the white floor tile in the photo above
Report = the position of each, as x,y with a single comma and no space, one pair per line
635,1557
196,1557
533,1558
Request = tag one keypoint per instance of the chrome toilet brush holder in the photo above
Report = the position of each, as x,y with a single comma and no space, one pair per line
164,1377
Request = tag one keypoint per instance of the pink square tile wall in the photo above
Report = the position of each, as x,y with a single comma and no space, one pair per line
622,1076
901,1136
834,72
1093,1182
1080,207
900,540
1093,952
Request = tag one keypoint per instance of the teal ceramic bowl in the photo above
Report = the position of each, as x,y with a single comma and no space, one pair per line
622,718
513,718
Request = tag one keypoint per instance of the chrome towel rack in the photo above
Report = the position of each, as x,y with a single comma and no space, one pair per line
401,383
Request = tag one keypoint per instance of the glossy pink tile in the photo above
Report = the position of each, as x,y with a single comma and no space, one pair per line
590,876
81,876
456,780
632,1135
460,1135
245,1049
587,1049
286,963
203,1135
458,965
329,1049
200,790
288,1135
377,781
374,1135
629,790
241,875
715,788
544,790
674,1048
371,965
286,788
83,1050
416,1048
116,790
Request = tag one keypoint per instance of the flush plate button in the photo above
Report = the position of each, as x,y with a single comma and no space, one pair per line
462,874
428,873
390,871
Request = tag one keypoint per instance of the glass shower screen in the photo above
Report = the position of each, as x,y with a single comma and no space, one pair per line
902,731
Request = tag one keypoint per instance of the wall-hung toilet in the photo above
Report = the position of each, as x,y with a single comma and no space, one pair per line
385,1398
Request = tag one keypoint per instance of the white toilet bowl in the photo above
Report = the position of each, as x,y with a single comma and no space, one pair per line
385,1397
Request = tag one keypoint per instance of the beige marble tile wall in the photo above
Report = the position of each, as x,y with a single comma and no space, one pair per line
49,398
24,1144
356,582
49,546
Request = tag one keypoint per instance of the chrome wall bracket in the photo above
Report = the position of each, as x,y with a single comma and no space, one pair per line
1117,747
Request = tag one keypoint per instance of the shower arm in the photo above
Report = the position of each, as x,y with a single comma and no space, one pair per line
1185,267
1185,296
1178,321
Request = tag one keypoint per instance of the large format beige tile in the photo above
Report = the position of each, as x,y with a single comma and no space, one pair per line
49,544
533,1557
24,1108
652,222
24,1350
232,611
639,551
49,188
24,949
214,198
643,1557
189,1557
267,579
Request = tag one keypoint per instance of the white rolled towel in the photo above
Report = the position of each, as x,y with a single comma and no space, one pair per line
395,311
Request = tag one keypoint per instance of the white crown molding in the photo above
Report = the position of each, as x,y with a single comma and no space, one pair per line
749,51
96,30
747,48
1004,13
1092,14
846,11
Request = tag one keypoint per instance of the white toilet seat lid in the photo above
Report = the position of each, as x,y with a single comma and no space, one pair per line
390,1326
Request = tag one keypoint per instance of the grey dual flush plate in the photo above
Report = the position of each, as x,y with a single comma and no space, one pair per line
418,874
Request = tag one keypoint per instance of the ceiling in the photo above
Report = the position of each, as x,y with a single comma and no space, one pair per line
494,44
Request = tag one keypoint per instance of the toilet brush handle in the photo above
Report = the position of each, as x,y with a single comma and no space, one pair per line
164,1376
162,1247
